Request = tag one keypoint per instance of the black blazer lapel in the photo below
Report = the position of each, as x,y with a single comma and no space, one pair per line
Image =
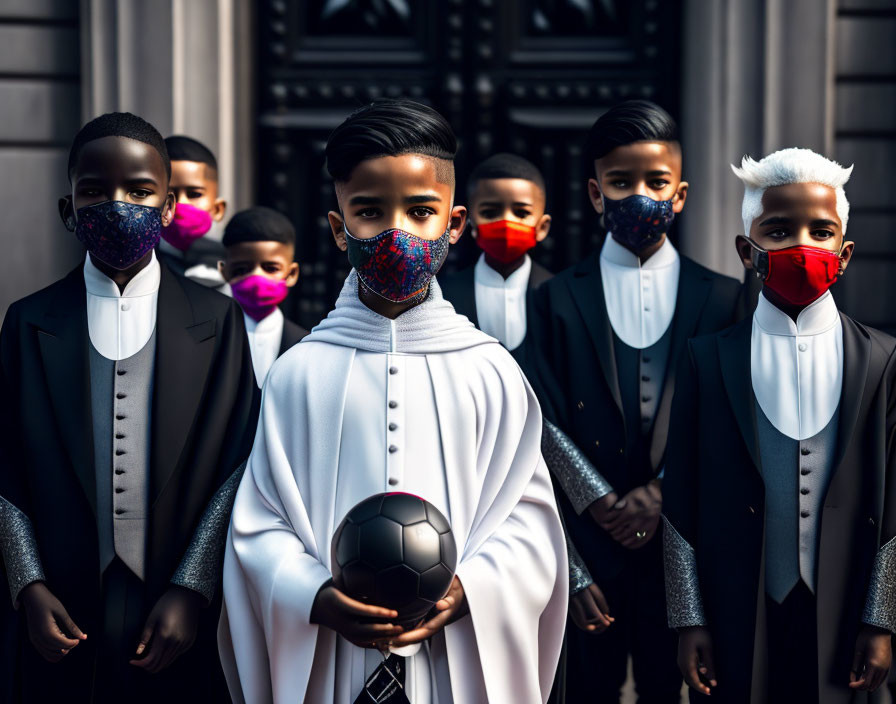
292,333
588,293
64,340
693,291
184,351
856,358
734,360
537,275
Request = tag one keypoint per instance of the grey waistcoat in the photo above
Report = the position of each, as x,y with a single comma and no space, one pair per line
121,402
641,375
796,475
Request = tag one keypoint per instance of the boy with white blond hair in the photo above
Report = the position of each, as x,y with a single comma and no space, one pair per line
780,509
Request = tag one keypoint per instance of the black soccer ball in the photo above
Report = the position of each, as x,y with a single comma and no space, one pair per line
394,550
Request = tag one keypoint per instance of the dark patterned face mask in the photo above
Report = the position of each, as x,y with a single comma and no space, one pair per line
637,221
395,264
119,234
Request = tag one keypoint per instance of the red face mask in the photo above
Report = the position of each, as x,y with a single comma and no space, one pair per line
799,274
505,240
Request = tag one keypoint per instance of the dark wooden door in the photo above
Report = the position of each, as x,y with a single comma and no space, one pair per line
527,76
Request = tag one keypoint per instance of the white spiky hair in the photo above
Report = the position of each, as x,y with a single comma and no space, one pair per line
789,166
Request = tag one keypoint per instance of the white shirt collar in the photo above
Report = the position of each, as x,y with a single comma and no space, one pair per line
640,298
269,323
501,303
145,283
796,367
614,253
816,318
120,323
486,276
265,337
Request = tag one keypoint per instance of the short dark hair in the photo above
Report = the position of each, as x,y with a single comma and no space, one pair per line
629,122
388,128
259,224
118,124
505,165
183,148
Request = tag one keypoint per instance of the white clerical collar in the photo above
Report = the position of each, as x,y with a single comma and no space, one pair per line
120,323
796,367
615,253
640,298
269,323
145,283
432,327
816,318
484,275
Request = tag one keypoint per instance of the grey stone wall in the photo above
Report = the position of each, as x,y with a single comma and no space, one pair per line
39,114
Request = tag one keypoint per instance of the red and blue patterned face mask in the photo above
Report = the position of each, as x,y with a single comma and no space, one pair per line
117,233
395,264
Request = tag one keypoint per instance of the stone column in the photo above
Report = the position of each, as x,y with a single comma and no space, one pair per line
757,76
184,65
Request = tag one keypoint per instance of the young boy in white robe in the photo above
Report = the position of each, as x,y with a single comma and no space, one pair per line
394,391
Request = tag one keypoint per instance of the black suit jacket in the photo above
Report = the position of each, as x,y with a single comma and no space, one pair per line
713,494
204,413
292,333
459,288
570,361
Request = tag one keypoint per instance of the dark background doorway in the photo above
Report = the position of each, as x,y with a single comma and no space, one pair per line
526,76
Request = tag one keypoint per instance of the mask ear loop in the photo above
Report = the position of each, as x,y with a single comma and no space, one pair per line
840,258
759,257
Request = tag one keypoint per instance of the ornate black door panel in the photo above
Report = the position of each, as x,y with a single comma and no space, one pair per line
528,76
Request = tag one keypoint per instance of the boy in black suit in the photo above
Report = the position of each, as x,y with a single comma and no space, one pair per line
129,403
603,343
260,267
780,511
507,214
185,246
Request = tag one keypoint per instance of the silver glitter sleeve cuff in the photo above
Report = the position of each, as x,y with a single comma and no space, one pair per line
18,546
880,606
580,480
684,605
200,568
579,577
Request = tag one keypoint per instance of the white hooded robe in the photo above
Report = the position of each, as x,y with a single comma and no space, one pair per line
425,404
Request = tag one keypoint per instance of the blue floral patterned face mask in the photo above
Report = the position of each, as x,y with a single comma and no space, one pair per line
637,221
395,264
117,233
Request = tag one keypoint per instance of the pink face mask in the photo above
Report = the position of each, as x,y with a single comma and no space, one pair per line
258,295
189,224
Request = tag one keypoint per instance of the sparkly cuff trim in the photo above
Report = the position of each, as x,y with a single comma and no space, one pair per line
880,606
580,480
579,577
200,568
684,604
18,546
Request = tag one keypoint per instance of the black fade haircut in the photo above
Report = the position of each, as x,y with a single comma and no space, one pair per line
505,165
390,128
259,224
118,124
627,123
183,148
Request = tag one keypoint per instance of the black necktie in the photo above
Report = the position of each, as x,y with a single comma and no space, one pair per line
386,684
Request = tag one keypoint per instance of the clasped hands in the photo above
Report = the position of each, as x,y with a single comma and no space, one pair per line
633,519
370,626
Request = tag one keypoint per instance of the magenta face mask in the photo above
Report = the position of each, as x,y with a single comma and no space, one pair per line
189,224
258,295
